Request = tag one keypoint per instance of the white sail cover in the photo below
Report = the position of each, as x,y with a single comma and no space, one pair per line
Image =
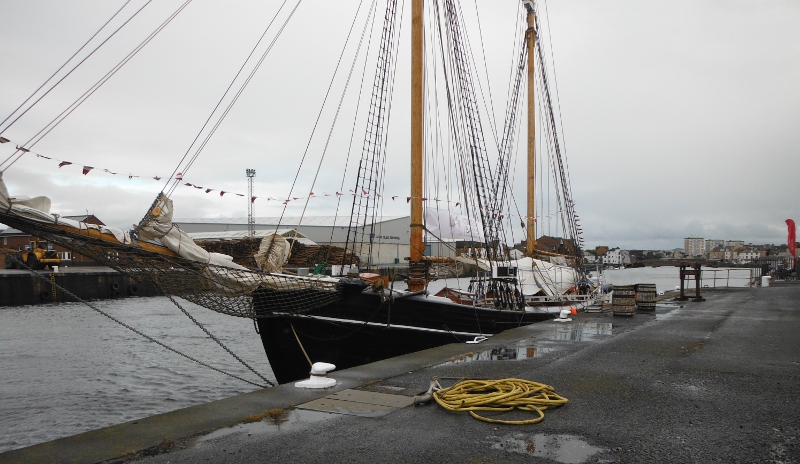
38,209
272,256
161,230
536,275
446,225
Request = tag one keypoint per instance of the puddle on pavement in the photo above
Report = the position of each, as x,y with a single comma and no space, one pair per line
541,345
285,423
567,449
523,349
580,331
672,312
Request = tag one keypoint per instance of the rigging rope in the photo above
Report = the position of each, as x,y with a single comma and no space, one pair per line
466,121
339,106
142,334
67,62
80,100
490,107
352,136
373,155
235,98
316,122
501,185
555,82
569,204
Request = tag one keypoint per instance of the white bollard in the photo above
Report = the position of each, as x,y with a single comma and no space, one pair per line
318,377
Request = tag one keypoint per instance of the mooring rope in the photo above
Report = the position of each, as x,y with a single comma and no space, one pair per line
301,345
500,396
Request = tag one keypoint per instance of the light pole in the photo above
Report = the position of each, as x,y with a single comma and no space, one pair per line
251,220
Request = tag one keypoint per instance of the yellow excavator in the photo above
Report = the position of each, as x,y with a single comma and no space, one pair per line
38,254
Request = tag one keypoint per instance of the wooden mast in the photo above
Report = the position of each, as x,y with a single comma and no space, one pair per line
530,40
416,278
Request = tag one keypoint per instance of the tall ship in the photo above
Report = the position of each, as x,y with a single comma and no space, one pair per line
461,191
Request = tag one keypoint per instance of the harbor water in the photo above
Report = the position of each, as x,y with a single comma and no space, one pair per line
668,277
67,369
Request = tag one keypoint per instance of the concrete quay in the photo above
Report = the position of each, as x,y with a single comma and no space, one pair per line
714,381
24,287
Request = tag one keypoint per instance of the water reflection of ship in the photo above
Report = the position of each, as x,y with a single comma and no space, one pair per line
530,348
510,353
584,331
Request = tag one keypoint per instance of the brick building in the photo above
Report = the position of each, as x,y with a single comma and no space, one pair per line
17,240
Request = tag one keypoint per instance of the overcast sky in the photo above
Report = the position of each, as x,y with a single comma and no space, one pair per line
681,117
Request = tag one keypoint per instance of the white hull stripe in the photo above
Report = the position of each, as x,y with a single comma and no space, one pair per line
393,326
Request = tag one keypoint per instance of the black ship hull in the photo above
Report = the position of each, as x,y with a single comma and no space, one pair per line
364,328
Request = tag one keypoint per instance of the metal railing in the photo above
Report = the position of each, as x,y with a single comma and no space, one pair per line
744,276
778,267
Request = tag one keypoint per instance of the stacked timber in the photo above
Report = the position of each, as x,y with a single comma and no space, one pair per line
243,249
311,255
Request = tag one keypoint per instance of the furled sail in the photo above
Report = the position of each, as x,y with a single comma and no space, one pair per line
539,277
164,255
445,224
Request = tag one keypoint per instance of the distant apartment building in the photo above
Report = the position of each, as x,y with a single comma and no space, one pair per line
745,256
717,253
733,243
694,246
613,257
729,254
713,243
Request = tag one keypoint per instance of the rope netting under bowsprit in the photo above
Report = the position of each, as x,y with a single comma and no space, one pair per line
235,292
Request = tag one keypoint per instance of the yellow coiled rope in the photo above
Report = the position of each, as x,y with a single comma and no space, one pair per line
500,396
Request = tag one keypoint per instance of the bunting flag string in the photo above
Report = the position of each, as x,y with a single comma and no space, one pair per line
86,169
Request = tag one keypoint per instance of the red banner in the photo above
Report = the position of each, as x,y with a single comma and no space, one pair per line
792,238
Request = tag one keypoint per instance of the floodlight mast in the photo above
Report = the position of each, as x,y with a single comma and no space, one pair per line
251,220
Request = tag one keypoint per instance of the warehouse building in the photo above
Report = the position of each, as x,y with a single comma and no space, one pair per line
390,239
